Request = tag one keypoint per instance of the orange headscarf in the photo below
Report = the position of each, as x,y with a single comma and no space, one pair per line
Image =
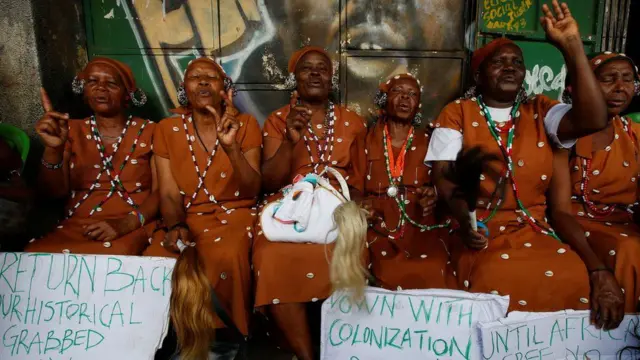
208,60
599,59
484,52
184,110
295,58
121,68
385,86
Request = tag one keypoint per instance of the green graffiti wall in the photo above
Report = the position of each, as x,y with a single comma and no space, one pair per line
369,41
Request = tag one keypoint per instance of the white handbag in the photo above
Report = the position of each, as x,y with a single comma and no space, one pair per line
305,213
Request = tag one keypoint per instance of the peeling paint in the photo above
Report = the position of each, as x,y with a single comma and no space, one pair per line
110,14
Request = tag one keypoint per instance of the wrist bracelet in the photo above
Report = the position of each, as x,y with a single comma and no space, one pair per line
50,166
179,224
139,216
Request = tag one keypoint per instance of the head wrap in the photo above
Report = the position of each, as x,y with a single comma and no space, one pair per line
480,55
295,58
599,59
386,86
126,75
208,60
228,83
382,97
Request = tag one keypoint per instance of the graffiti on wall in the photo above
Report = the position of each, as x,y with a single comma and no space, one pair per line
541,79
253,39
506,15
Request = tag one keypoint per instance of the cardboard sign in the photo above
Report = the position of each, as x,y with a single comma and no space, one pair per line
63,307
560,335
415,324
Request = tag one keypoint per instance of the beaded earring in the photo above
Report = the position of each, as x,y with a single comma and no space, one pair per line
566,97
182,96
522,96
636,85
138,97
77,86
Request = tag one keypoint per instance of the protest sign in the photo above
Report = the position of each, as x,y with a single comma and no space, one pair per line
560,335
66,306
414,324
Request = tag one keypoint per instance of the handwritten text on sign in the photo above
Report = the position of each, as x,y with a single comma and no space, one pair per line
418,324
57,306
562,335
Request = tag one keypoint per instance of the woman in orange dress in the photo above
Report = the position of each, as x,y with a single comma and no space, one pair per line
600,176
303,137
103,165
208,162
521,256
407,246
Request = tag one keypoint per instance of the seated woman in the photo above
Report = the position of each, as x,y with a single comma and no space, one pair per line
407,248
103,165
598,181
208,162
521,256
303,137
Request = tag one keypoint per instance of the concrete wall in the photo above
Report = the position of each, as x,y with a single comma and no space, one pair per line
19,65
42,43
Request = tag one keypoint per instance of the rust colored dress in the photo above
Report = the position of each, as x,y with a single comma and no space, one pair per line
85,165
538,272
299,273
612,180
223,230
418,260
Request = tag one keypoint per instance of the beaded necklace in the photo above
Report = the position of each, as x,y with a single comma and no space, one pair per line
510,171
201,176
107,166
329,122
592,210
394,184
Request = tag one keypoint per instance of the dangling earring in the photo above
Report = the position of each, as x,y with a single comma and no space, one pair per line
417,120
522,96
77,86
380,100
470,93
637,87
138,97
228,85
566,97
182,96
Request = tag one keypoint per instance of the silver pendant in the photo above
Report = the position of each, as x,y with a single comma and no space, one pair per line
392,191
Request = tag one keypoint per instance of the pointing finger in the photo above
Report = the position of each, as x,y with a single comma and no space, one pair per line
294,99
230,96
46,102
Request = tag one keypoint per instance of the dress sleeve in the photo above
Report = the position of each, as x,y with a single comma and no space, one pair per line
274,126
446,140
358,159
249,136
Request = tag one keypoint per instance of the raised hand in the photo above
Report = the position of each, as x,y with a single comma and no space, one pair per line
53,127
228,124
299,117
561,28
427,199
